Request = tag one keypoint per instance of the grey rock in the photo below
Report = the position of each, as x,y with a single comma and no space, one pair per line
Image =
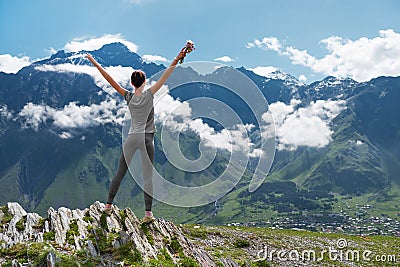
51,259
121,240
228,262
46,226
18,213
32,219
124,237
91,248
15,209
15,263
39,238
58,224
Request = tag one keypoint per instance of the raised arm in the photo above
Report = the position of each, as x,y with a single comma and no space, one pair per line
168,72
107,76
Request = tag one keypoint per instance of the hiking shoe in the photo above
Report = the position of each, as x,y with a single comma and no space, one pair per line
107,211
148,219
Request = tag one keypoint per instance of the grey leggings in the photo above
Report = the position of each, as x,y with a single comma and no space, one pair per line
143,142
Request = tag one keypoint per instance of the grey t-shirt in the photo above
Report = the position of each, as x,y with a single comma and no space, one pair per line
142,112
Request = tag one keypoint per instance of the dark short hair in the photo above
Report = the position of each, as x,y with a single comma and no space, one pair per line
137,78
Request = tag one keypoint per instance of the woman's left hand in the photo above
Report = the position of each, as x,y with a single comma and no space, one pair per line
181,54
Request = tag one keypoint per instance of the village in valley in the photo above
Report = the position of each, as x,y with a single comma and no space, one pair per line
353,220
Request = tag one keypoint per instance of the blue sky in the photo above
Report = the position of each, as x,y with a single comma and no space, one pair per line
308,39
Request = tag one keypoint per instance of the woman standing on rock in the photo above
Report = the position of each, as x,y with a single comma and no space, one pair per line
141,133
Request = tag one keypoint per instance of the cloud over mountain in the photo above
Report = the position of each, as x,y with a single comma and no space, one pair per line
361,59
154,58
11,64
73,115
304,126
94,43
224,59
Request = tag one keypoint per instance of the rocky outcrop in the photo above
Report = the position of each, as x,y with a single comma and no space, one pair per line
102,237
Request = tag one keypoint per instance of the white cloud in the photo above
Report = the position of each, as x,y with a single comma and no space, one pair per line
154,58
361,59
224,59
304,126
34,114
304,129
73,115
169,111
302,78
280,111
256,153
250,45
94,43
267,43
176,115
66,67
264,71
51,51
11,64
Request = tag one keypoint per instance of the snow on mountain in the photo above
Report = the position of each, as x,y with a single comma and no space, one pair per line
275,74
331,81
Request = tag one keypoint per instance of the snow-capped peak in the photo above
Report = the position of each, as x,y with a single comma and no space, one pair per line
331,81
273,73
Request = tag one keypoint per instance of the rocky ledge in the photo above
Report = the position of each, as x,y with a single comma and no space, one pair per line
91,238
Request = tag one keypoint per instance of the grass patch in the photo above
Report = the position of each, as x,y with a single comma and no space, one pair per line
165,254
123,215
241,243
198,233
163,259
72,232
50,236
188,262
37,253
175,245
128,254
40,224
147,233
87,218
263,263
20,225
67,261
100,240
7,216
7,263
18,251
103,222
161,262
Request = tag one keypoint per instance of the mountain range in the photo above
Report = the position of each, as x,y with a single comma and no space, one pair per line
337,141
